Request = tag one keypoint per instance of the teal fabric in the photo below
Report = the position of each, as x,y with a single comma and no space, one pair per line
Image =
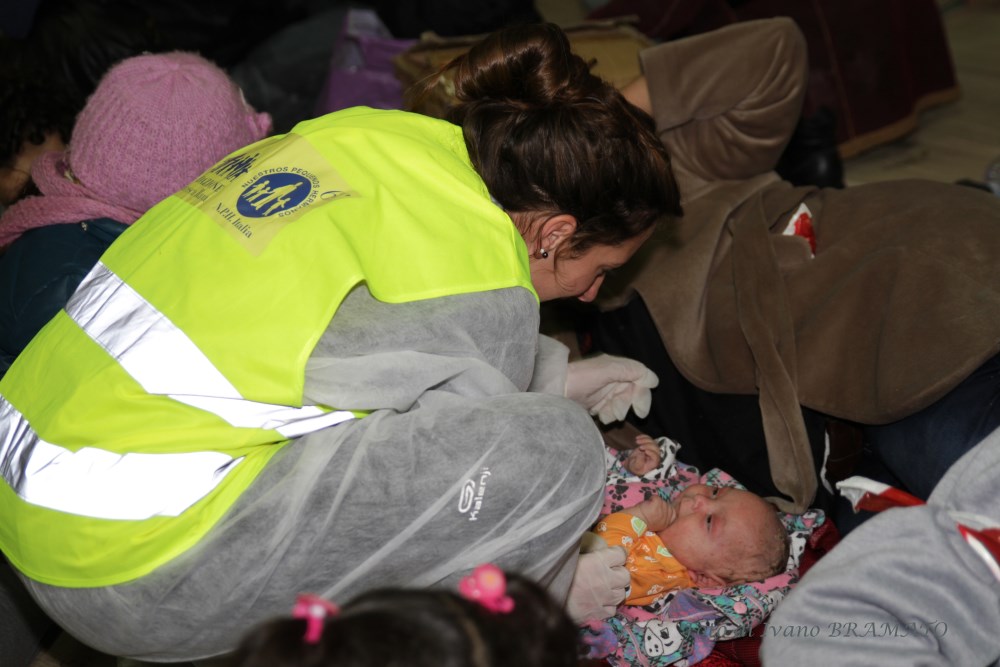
38,274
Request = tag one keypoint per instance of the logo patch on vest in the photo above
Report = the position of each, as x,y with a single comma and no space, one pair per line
254,194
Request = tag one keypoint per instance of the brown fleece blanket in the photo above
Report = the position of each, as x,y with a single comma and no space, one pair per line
900,303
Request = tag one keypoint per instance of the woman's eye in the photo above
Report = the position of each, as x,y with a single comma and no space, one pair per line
715,492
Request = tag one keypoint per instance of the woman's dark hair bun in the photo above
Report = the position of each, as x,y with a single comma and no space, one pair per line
531,65
549,137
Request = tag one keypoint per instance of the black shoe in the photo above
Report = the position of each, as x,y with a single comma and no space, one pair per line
811,156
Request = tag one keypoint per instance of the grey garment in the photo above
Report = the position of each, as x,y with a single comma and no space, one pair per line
386,355
912,588
456,467
23,626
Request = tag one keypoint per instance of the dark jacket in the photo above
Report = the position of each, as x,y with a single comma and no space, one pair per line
38,274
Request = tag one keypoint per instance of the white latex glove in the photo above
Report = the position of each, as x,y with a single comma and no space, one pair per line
598,584
608,386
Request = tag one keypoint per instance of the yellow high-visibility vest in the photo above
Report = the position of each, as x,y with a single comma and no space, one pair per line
142,411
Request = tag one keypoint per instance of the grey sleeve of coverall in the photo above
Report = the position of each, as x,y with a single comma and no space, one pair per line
904,588
376,355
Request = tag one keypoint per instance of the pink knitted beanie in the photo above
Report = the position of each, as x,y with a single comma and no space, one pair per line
154,124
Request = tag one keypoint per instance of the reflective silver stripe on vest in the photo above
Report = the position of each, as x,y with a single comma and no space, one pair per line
97,483
163,360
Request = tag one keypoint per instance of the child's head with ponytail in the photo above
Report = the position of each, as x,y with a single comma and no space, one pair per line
495,619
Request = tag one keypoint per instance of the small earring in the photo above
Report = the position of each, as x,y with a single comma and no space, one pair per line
542,253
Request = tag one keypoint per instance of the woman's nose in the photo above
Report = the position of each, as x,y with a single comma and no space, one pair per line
591,292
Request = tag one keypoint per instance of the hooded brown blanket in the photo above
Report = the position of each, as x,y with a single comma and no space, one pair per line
900,302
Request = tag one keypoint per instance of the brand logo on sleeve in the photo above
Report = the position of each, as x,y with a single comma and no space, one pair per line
470,498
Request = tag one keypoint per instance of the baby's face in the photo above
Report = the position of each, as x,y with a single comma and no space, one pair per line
712,526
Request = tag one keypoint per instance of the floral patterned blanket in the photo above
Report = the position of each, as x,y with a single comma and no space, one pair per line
683,627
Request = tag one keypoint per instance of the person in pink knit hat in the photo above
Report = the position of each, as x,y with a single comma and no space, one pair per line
153,125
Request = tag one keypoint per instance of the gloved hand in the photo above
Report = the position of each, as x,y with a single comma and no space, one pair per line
608,386
598,584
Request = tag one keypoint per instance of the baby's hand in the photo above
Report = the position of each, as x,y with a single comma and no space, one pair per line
655,511
645,457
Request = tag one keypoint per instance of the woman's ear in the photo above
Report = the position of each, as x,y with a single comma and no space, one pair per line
557,231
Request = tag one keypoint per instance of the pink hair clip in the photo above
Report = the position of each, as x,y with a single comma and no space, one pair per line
315,611
487,585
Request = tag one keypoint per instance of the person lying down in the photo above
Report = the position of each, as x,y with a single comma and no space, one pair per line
684,624
706,537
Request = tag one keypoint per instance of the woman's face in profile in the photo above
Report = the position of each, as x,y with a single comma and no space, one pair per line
581,276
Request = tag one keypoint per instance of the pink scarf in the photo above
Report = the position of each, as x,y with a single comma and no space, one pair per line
63,201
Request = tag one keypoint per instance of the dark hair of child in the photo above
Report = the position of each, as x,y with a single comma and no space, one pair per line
436,628
49,73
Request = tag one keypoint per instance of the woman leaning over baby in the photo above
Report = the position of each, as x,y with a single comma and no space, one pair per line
307,370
